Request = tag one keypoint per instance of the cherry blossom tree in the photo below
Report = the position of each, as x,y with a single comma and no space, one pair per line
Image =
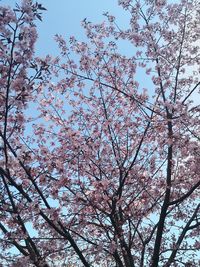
99,156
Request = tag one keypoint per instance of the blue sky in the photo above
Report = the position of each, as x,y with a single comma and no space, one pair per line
64,17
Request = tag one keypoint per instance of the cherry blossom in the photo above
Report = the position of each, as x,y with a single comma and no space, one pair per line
99,150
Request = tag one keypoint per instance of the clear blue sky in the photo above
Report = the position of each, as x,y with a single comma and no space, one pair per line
64,17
